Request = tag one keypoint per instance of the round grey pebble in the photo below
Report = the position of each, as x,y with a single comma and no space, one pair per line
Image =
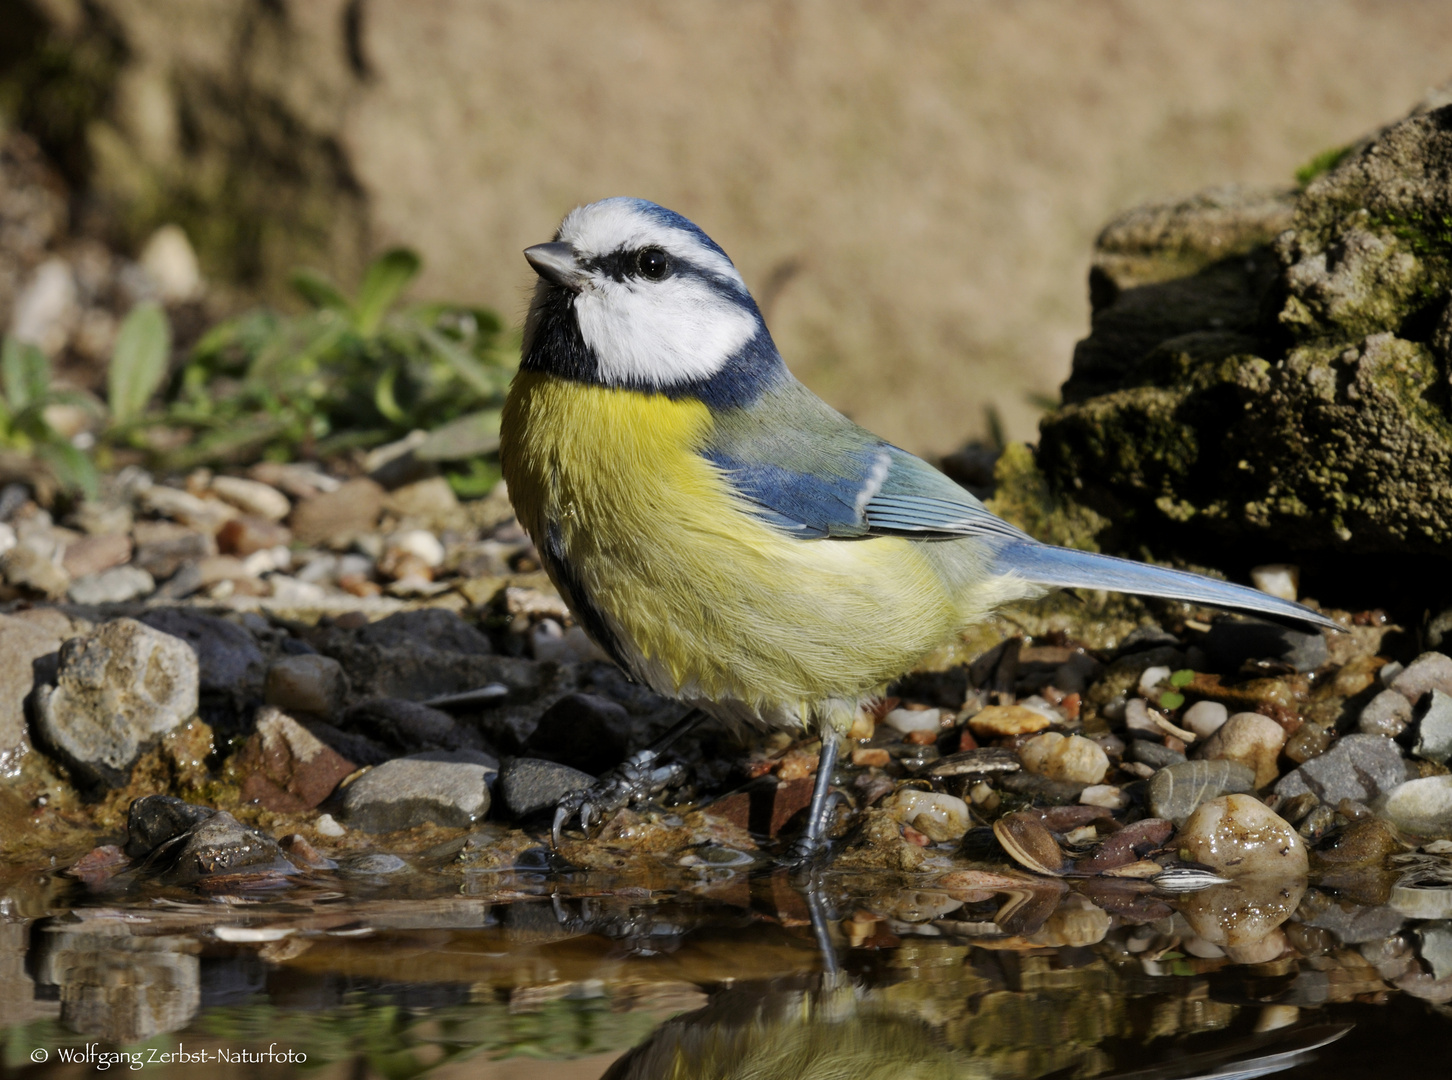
529,785
1176,790
1387,714
409,791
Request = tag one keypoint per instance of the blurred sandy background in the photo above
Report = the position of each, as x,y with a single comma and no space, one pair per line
911,189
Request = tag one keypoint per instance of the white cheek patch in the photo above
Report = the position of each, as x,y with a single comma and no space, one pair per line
659,333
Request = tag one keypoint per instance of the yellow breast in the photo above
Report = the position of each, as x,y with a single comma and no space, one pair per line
705,599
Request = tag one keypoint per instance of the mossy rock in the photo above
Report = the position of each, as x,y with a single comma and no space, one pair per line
1270,368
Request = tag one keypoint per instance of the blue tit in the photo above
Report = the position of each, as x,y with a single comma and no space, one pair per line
726,536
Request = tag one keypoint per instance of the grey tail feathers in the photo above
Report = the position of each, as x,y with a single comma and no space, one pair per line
1067,568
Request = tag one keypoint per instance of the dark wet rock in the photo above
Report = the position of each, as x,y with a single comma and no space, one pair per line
1231,642
406,727
22,643
1434,729
1177,790
227,655
154,819
583,731
981,761
352,745
446,789
431,628
335,518
1041,788
217,846
1387,714
529,785
1129,844
164,547
1359,767
1155,755
118,688
1142,638
285,768
306,684
1365,843
1430,671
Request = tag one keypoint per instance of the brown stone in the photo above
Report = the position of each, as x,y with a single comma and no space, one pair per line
336,517
162,547
242,536
285,768
998,721
93,554
864,757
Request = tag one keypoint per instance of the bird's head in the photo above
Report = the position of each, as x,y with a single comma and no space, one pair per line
634,296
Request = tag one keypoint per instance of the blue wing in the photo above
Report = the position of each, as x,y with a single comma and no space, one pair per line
813,473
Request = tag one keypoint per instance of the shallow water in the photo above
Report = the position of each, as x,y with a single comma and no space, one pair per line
721,974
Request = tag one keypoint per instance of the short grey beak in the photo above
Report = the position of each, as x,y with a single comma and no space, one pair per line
556,264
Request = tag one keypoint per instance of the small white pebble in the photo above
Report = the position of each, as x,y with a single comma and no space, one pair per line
1205,718
1151,677
420,543
1137,717
328,825
908,720
1105,795
1195,945
1387,672
1277,579
7,538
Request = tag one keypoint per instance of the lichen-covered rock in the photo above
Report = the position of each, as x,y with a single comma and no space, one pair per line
1274,365
117,689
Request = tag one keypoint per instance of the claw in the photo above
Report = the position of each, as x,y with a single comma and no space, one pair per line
633,781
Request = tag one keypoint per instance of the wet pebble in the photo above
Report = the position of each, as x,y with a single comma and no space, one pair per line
910,720
217,845
934,814
375,862
1359,767
1233,641
1306,742
116,690
529,785
1239,836
1253,740
1176,791
308,684
154,819
1387,714
1064,757
424,787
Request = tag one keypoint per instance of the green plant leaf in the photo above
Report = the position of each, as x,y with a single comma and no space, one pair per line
384,399
138,363
319,291
458,440
24,373
1171,700
485,381
387,276
1183,677
73,468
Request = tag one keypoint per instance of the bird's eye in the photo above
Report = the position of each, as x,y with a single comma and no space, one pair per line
653,263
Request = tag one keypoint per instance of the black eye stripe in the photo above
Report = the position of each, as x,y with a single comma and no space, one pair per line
619,265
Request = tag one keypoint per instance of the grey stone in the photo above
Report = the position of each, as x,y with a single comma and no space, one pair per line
1155,755
1176,790
218,845
227,656
306,684
1434,730
529,785
1430,671
22,643
1354,923
154,819
446,789
114,586
1387,714
117,689
1359,767
583,731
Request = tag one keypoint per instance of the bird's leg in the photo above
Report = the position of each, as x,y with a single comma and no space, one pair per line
634,780
819,910
811,846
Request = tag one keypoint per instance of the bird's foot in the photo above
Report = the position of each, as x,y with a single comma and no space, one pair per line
634,780
812,850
